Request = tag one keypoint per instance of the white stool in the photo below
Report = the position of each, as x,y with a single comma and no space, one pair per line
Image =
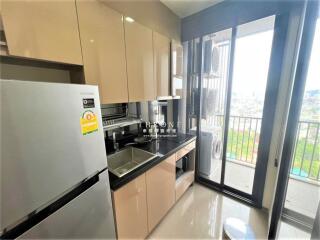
234,228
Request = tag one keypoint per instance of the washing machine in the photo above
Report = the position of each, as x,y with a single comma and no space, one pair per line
210,148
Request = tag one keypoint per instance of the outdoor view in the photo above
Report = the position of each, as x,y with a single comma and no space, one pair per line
306,159
304,179
250,73
248,91
247,102
249,85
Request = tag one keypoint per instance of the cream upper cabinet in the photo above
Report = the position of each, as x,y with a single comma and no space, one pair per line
139,53
160,190
161,47
45,30
177,78
103,49
130,208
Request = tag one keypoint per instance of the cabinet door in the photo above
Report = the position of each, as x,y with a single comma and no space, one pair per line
45,30
160,190
161,46
130,205
139,53
103,49
177,68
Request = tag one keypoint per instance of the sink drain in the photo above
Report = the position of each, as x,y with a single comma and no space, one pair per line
122,170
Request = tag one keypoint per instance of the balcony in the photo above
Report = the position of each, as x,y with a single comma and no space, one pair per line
242,148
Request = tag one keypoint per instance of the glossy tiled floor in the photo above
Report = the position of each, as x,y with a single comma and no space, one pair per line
200,214
287,231
241,177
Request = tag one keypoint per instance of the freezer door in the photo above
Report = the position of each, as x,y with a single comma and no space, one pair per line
89,216
43,149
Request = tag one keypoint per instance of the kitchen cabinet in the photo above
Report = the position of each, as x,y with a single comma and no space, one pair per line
130,208
44,30
160,190
183,183
141,204
177,68
161,47
187,178
3,42
139,55
185,150
103,49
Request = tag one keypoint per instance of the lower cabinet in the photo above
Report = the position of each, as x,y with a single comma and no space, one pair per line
183,183
130,208
160,190
142,203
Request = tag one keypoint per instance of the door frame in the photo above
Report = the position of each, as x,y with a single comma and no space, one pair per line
310,14
272,88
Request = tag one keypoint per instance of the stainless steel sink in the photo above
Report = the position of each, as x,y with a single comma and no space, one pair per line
128,159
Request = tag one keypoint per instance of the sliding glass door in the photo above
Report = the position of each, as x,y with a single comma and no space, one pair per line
253,46
216,54
234,86
297,197
304,178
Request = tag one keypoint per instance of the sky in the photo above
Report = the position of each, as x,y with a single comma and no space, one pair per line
313,77
252,57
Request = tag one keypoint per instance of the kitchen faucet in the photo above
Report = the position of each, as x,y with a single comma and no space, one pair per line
115,144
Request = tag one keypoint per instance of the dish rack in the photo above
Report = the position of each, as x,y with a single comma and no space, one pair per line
116,116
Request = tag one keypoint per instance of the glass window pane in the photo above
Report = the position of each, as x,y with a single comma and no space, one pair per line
304,181
216,51
250,73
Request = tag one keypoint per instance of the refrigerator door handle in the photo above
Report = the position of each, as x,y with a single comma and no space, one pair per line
38,215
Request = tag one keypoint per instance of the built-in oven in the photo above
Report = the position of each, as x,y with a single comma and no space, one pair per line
181,166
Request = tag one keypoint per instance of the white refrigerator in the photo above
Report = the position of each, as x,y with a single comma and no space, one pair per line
54,177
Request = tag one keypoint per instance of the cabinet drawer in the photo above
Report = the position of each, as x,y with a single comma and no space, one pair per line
185,150
183,183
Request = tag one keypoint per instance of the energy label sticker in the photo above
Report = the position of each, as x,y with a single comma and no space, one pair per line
88,122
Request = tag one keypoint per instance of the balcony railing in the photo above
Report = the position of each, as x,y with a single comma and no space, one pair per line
306,156
243,139
243,142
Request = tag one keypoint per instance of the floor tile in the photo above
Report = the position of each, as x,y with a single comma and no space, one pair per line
288,231
200,214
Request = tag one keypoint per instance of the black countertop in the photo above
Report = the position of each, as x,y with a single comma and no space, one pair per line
163,148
